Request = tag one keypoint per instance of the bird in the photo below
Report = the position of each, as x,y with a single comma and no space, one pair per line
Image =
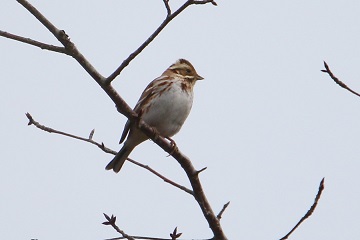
164,105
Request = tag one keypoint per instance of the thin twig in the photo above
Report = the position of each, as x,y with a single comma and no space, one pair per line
146,238
219,216
336,80
155,238
201,170
167,6
112,221
65,40
199,194
143,237
34,42
205,2
51,130
105,149
161,176
167,20
175,235
309,212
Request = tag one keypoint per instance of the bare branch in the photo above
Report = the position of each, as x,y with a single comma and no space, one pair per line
64,39
161,176
70,48
337,81
167,6
201,170
205,2
34,42
51,130
91,134
168,19
175,235
185,163
112,221
105,149
309,212
146,238
219,216
199,194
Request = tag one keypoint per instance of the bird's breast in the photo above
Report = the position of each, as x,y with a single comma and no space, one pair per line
168,111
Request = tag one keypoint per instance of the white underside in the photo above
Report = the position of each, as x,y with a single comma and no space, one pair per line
169,111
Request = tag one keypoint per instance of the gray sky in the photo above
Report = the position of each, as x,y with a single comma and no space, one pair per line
266,122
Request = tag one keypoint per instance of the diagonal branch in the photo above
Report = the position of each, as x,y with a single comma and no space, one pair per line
64,39
51,130
34,42
105,149
309,212
219,216
167,20
337,81
161,176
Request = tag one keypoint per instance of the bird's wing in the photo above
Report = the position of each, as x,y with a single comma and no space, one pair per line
149,91
156,86
125,131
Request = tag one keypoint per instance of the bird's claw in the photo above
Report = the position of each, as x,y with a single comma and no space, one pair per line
173,146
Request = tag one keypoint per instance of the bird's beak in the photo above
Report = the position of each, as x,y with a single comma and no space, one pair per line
198,77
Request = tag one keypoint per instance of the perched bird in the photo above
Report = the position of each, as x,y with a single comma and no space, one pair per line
164,105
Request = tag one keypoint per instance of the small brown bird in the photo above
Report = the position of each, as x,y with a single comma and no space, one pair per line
165,104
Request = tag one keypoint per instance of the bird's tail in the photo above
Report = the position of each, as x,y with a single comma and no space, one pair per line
119,159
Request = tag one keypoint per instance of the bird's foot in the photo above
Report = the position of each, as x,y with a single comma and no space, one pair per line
173,146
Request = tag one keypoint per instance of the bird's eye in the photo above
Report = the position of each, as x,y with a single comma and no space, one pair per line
188,71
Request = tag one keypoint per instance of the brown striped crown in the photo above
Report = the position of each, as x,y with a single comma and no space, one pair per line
185,69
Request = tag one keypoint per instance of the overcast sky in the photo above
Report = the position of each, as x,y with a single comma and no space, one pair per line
265,121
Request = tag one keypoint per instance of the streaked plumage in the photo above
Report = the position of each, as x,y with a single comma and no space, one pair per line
165,104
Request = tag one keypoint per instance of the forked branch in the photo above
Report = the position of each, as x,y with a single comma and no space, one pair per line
34,42
111,221
170,16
